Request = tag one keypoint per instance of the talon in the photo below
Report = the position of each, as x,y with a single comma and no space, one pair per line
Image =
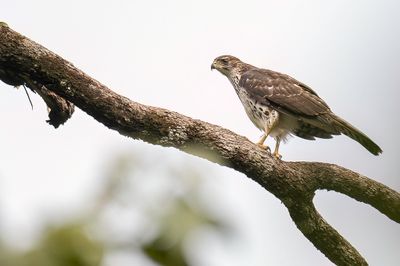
264,147
277,156
268,149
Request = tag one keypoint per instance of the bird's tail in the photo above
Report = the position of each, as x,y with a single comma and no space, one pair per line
352,132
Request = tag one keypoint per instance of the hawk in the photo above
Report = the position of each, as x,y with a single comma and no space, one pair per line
281,106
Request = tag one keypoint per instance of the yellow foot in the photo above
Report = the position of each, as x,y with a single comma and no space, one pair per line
264,147
277,155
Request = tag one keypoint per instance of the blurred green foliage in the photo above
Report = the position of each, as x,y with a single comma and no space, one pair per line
62,246
166,200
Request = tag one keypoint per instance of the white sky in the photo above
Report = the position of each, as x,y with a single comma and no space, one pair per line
159,53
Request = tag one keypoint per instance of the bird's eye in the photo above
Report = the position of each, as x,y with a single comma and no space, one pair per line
224,60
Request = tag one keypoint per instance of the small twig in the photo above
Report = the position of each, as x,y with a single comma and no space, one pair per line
29,98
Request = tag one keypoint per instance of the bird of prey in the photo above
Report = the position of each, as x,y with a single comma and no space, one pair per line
281,106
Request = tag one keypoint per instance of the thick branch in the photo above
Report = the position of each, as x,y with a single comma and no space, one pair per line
293,183
361,188
322,235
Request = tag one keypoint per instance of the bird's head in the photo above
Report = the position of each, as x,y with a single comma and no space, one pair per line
226,64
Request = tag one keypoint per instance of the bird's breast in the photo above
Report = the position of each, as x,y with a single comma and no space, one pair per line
265,116
257,112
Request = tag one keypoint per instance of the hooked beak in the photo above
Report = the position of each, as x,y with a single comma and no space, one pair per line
213,66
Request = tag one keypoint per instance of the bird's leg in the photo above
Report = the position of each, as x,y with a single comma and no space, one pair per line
276,151
262,140
260,143
269,125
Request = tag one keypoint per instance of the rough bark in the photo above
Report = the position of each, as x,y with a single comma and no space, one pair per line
24,62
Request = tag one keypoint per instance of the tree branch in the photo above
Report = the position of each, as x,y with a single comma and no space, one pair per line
323,236
24,62
333,177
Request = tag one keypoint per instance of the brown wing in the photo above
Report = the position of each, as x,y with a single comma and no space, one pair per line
283,92
294,98
291,97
